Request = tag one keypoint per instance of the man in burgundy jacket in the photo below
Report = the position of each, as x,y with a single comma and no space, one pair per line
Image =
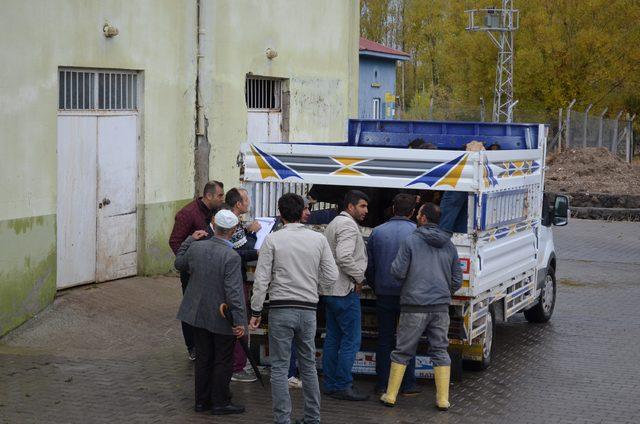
193,217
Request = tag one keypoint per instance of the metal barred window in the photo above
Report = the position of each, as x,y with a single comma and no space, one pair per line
97,90
263,93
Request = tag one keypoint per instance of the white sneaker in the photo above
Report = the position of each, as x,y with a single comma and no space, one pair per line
243,377
295,383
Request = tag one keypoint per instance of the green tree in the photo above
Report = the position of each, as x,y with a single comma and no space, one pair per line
565,49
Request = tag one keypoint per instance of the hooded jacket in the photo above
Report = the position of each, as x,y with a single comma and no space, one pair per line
382,249
427,265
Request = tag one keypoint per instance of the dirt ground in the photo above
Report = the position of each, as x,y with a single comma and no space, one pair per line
591,170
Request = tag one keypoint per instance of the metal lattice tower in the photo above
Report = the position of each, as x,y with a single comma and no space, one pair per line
500,25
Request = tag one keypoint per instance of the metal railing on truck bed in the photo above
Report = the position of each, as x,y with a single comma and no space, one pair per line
445,135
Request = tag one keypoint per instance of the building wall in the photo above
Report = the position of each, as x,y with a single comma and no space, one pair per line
317,52
317,46
156,37
366,93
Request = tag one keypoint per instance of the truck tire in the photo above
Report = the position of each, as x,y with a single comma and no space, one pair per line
543,310
487,345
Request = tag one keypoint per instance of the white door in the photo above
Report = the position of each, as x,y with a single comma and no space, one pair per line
96,206
264,126
117,176
76,204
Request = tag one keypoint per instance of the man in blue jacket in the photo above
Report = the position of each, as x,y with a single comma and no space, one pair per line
382,249
428,267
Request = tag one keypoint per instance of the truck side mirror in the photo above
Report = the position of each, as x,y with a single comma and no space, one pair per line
561,211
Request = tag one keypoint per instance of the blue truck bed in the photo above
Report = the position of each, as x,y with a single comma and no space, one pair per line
445,135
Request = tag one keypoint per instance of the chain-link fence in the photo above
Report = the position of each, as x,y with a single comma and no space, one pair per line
568,129
583,129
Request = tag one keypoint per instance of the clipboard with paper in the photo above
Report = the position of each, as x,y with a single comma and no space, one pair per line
266,224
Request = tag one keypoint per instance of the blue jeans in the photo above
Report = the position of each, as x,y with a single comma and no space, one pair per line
342,342
298,326
293,368
453,211
388,313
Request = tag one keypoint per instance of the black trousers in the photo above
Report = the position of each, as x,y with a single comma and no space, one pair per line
214,367
187,330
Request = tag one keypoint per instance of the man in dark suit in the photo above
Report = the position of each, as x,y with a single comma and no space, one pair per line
195,216
215,278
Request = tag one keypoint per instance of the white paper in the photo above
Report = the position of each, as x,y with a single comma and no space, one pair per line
267,224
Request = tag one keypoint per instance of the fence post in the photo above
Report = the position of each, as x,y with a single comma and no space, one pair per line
481,109
631,140
600,126
431,109
567,129
559,145
628,135
585,123
614,141
510,110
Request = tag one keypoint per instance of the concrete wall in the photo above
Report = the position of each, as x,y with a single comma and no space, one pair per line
386,69
317,45
156,37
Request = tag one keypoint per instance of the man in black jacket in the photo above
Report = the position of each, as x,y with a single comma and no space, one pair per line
214,279
428,268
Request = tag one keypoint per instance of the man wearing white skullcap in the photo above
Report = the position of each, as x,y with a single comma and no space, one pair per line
215,278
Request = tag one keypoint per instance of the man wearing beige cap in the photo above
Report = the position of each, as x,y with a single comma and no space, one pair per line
215,278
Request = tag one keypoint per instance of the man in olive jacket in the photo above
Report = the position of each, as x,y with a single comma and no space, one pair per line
428,267
215,278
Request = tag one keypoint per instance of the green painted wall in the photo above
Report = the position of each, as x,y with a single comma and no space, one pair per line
27,268
317,46
155,256
317,52
157,38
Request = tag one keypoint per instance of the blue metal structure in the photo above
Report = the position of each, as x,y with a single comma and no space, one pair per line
445,135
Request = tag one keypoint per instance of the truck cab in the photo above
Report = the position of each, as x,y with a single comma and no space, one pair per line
505,243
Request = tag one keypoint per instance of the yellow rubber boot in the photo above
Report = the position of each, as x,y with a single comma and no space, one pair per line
393,386
442,376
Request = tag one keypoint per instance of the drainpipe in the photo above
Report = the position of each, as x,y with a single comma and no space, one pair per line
202,146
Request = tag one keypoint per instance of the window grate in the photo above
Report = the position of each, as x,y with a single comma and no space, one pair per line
263,93
97,90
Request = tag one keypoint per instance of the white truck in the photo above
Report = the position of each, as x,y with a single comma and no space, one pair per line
507,253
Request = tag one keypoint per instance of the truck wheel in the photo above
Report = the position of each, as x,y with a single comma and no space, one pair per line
543,310
487,345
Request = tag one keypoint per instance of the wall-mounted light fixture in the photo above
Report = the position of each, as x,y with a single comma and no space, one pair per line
271,54
109,30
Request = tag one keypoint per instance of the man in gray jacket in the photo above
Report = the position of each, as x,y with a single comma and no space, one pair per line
215,278
291,264
428,267
342,299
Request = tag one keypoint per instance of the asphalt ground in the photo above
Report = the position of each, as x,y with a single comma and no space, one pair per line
114,353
